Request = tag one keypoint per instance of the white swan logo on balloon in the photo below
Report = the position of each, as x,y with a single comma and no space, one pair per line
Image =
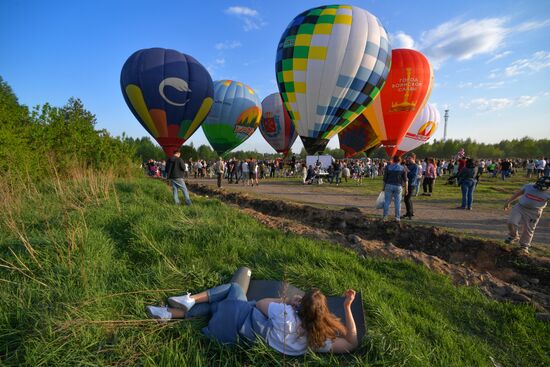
176,83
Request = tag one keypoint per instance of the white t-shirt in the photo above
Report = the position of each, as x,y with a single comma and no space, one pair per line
534,198
285,334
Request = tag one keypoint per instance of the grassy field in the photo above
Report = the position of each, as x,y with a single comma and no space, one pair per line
80,261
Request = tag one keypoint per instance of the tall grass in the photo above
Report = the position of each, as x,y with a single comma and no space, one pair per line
83,253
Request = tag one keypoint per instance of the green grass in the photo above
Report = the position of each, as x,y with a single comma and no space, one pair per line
100,256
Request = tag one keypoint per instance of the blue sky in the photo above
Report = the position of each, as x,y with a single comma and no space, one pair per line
491,57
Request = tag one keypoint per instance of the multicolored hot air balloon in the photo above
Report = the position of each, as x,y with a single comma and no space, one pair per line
421,130
371,149
407,90
168,92
331,62
357,137
234,117
276,126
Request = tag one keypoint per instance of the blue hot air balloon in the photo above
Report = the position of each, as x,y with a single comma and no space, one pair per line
169,93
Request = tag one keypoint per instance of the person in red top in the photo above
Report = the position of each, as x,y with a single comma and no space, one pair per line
461,163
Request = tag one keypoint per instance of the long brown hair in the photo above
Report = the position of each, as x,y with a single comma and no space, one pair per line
318,323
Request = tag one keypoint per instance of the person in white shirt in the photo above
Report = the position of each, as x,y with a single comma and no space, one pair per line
245,172
541,165
288,327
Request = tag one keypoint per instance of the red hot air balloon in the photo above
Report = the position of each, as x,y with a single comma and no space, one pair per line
407,90
276,126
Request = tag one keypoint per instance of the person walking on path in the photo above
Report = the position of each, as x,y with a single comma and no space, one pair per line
219,169
527,212
412,179
245,169
253,166
337,168
505,169
429,177
395,181
467,181
176,171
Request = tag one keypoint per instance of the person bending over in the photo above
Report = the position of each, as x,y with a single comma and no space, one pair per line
526,213
290,327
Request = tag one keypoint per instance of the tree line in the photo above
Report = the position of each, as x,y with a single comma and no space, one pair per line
35,141
45,140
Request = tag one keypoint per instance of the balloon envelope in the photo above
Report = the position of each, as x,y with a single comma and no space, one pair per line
407,90
331,62
234,117
276,126
169,93
357,137
421,130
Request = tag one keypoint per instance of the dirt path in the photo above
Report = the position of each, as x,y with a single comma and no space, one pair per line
480,222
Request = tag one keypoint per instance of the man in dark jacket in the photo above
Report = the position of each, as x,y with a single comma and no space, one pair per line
412,179
176,170
395,181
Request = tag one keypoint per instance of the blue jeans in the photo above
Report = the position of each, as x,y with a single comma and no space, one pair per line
179,184
505,173
467,187
395,192
229,291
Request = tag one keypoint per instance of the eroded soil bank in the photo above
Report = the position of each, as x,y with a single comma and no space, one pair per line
499,272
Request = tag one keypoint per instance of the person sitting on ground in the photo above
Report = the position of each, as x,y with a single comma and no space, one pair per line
289,327
310,175
527,212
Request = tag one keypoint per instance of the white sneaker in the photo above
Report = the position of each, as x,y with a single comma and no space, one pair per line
160,313
185,301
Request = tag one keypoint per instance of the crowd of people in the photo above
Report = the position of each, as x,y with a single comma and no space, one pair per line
233,170
402,179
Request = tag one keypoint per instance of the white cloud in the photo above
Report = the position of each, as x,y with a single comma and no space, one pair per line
220,61
538,61
486,85
525,101
532,25
499,56
242,10
401,40
495,104
227,45
250,17
464,39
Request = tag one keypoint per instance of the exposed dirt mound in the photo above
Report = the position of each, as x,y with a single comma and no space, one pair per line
500,273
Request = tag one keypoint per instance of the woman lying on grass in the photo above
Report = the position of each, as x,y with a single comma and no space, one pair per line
290,328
